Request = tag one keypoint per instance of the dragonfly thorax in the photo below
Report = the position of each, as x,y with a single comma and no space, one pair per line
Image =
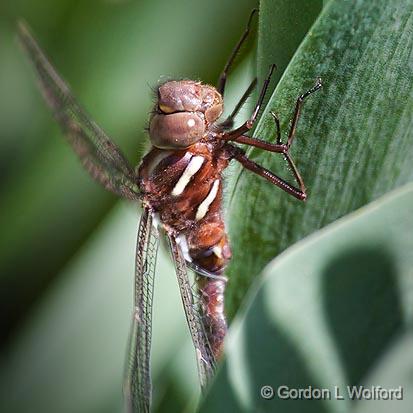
183,114
184,187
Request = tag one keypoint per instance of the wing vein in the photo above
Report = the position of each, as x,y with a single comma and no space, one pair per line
204,355
137,385
98,153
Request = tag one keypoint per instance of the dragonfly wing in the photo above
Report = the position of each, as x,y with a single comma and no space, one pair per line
205,357
100,156
137,385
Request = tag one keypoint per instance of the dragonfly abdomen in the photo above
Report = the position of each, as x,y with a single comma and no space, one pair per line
211,296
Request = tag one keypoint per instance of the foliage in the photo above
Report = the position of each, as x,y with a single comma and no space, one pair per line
66,260
333,310
354,139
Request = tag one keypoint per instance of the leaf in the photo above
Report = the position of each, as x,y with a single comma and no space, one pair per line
282,26
333,310
354,140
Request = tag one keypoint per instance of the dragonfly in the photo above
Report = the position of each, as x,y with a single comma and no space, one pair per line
179,185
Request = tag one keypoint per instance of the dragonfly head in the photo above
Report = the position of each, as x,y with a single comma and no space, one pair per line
184,111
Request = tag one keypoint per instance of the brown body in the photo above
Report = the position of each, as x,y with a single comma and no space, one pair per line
184,188
205,235
194,215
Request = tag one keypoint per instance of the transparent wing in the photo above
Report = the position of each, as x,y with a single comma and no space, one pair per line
100,156
205,358
137,385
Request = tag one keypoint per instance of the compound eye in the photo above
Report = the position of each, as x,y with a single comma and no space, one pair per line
166,109
177,130
179,96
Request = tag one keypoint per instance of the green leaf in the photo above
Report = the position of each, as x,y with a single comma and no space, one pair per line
282,26
354,140
333,310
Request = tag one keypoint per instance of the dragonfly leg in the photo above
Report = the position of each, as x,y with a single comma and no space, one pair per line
277,128
297,111
234,134
278,147
299,193
229,121
223,77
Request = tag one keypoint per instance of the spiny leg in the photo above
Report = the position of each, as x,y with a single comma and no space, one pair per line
234,134
277,127
298,107
286,154
264,145
229,121
292,131
247,163
223,77
279,147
